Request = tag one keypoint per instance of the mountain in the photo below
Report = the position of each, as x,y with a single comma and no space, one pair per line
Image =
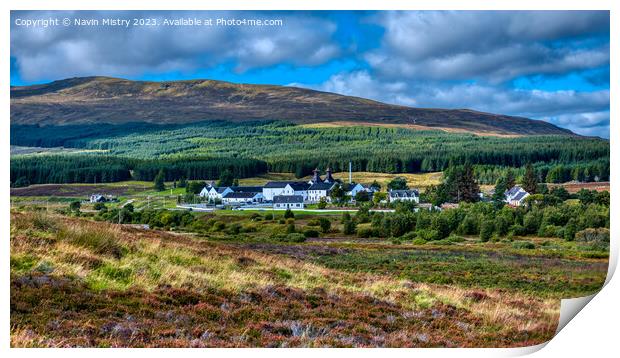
89,100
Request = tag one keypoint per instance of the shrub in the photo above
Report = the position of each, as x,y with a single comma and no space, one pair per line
455,238
311,233
523,245
290,221
249,228
419,241
550,231
234,229
99,206
396,241
313,222
325,224
288,214
365,232
295,237
322,204
597,238
427,234
486,230
269,216
290,228
281,221
218,226
411,235
349,227
517,230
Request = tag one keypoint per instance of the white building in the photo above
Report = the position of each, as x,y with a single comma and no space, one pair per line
515,195
283,202
352,189
404,195
238,198
213,193
280,188
320,190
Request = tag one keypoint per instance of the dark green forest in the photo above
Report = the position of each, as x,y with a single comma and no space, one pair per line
42,169
255,147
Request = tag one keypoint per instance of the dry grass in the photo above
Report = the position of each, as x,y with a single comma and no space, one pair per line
413,180
398,312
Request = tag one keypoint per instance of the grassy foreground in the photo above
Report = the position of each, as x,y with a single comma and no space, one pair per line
76,282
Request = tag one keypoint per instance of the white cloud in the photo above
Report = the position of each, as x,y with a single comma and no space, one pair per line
583,112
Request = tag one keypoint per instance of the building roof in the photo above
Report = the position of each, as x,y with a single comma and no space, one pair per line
514,190
288,199
296,185
321,186
521,195
350,186
240,195
221,189
404,193
247,189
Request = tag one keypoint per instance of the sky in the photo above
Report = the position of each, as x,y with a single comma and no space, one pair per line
547,65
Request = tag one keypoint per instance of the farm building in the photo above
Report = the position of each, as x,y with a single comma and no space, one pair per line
515,196
279,188
404,195
242,198
288,202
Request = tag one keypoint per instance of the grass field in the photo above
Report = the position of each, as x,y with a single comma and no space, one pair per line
77,282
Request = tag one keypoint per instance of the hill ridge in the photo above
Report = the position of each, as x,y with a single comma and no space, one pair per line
101,99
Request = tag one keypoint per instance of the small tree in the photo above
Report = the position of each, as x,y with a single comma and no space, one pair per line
375,186
226,178
337,194
529,182
398,183
486,230
325,224
182,183
362,196
159,181
322,203
75,206
288,214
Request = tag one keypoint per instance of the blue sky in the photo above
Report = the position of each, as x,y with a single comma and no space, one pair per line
548,65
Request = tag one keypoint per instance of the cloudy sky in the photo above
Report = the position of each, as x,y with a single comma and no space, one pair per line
549,65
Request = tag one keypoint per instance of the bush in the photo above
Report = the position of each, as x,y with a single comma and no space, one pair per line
290,228
551,231
281,221
313,222
99,206
288,214
234,229
486,230
516,230
455,238
365,232
396,241
295,237
322,204
290,221
523,245
269,216
598,238
349,227
325,224
311,233
419,241
218,226
428,235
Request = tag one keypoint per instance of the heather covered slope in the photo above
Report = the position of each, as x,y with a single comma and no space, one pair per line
76,282
91,100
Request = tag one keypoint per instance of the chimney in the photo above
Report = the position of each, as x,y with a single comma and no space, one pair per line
350,174
328,176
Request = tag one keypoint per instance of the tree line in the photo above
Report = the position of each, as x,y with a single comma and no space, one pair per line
57,169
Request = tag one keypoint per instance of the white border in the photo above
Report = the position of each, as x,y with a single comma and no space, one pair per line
591,333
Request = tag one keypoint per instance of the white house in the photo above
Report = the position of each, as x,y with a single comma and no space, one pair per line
320,190
404,195
237,198
213,193
279,188
353,189
515,195
292,202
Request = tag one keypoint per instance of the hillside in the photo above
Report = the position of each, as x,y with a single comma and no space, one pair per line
92,100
